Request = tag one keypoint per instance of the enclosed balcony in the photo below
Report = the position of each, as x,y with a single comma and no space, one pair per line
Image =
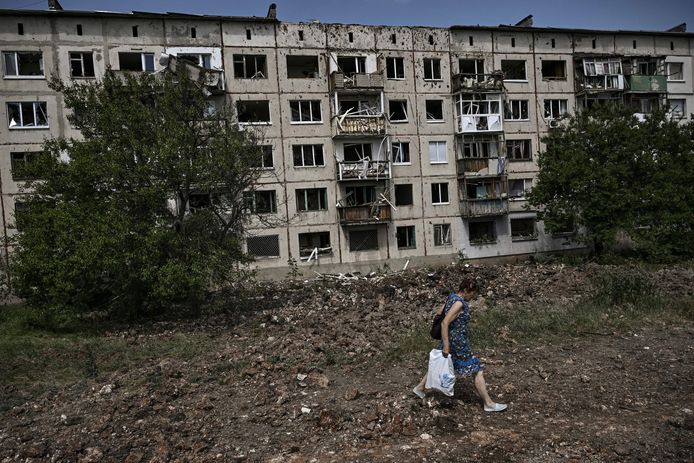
359,115
478,113
480,155
357,82
483,207
365,214
363,170
479,83
646,84
484,196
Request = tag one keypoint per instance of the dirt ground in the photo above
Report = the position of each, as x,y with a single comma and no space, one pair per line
310,376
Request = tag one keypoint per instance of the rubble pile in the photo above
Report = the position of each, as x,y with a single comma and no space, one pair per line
307,376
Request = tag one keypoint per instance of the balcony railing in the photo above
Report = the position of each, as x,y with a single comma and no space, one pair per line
479,83
604,83
647,84
360,125
478,115
483,207
364,169
489,167
364,214
371,81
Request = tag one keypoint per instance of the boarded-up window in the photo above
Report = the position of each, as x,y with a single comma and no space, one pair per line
363,240
263,246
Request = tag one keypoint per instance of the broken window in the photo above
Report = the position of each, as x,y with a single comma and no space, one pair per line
554,69
555,109
250,67
360,195
204,60
397,109
265,160
302,67
316,243
480,148
21,163
263,246
395,67
261,201
523,229
432,69
28,114
312,199
363,240
403,195
601,67
519,187
482,232
518,150
305,111
439,193
23,63
401,152
354,106
674,72
517,110
677,108
434,110
645,67
483,189
473,68
350,65
81,64
253,111
308,155
139,62
437,152
406,237
354,152
442,234
513,69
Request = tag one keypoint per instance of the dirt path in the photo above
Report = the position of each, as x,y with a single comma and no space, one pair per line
598,398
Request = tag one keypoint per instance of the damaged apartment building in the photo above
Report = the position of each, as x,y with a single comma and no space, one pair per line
383,145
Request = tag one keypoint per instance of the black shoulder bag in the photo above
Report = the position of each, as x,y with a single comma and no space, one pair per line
436,325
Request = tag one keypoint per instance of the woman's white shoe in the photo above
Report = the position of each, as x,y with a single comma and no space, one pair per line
496,408
419,393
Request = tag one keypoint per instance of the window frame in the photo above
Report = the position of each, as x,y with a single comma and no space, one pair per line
438,143
371,230
520,111
527,142
410,236
34,104
316,73
426,112
437,190
527,187
531,237
303,155
407,115
279,251
442,235
17,76
395,60
15,172
551,78
411,194
267,151
432,69
683,113
669,73
244,62
322,196
403,152
269,112
252,196
322,251
560,102
81,60
143,61
310,108
525,70
480,241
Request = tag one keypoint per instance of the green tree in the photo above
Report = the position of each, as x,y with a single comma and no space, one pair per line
112,228
605,172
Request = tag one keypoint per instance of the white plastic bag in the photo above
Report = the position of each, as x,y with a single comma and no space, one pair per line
441,375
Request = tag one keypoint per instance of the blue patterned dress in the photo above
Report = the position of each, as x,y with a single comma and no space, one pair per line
464,361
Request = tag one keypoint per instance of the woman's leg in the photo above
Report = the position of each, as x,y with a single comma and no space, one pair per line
481,387
419,388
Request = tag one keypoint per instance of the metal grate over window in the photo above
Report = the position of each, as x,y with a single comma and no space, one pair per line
263,246
363,240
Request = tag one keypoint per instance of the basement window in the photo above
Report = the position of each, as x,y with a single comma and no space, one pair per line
250,67
434,110
363,240
27,114
523,229
397,110
406,237
139,62
253,111
316,244
395,68
554,70
23,64
513,69
260,201
442,234
302,67
81,64
482,232
403,195
432,69
263,246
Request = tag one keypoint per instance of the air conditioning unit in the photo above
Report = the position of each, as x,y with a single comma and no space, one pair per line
553,123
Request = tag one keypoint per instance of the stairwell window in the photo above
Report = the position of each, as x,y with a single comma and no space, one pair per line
27,115
439,193
305,112
23,64
432,69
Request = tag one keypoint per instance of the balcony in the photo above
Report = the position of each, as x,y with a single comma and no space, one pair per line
369,125
488,207
603,83
363,170
478,115
646,84
357,82
367,214
481,167
479,83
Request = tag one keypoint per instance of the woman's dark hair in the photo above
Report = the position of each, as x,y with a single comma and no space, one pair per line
467,284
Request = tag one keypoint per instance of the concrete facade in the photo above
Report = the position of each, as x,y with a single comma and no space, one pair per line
335,210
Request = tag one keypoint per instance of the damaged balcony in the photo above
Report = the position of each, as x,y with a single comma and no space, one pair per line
365,214
213,79
484,197
362,160
478,113
599,74
359,115
646,84
359,82
481,156
479,83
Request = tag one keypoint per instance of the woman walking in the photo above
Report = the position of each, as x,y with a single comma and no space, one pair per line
454,334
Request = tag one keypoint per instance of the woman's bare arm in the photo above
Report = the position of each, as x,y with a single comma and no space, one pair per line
450,316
